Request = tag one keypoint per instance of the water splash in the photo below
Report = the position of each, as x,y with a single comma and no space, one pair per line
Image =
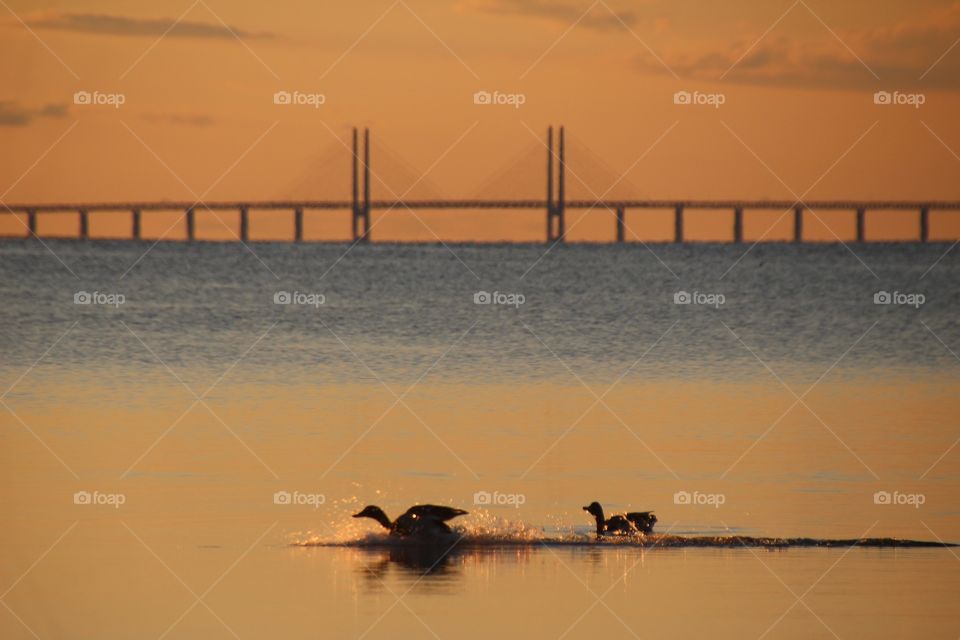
494,532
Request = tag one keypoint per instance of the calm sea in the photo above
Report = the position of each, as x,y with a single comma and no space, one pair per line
179,419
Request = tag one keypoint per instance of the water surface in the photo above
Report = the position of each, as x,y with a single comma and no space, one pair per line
199,398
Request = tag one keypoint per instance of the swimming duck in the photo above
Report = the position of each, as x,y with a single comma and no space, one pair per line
419,520
633,523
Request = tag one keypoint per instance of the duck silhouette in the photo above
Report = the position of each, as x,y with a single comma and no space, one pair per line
421,520
634,523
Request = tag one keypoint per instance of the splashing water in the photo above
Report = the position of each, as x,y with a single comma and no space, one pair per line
493,531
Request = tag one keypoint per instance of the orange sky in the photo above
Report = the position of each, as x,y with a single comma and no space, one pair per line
199,120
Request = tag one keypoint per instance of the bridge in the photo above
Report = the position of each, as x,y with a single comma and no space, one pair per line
554,206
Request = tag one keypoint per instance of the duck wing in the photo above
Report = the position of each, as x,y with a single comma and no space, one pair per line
641,515
643,520
433,512
618,525
419,526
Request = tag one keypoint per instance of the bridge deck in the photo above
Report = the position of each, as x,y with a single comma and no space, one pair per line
290,205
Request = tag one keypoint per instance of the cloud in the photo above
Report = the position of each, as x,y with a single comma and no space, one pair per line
14,115
104,24
900,55
190,120
564,13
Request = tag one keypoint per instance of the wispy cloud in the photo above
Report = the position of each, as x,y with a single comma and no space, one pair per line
12,114
902,56
117,25
555,11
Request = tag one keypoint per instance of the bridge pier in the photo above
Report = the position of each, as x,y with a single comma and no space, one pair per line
798,223
244,224
678,223
738,225
135,224
861,224
31,223
924,224
191,225
556,231
298,224
620,225
84,224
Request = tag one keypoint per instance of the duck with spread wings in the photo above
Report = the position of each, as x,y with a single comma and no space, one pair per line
421,520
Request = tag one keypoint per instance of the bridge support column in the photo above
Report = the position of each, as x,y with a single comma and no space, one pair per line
620,225
361,209
244,224
861,224
298,224
678,223
135,224
798,224
556,231
191,225
366,185
549,184
84,225
358,235
556,209
738,225
924,224
31,223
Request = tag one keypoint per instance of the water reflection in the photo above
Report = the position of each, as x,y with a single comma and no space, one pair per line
420,561
429,566
438,566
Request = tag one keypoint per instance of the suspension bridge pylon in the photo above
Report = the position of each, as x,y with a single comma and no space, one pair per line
556,206
361,208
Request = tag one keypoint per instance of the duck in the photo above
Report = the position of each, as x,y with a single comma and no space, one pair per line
421,520
634,523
